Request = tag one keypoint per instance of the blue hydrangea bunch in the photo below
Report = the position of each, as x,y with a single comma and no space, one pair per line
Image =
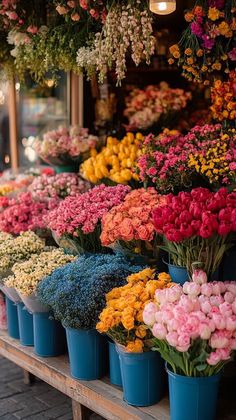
76,292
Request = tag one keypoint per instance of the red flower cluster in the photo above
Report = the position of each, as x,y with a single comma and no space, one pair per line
198,213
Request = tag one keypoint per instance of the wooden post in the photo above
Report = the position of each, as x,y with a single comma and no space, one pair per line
29,379
13,125
77,100
80,412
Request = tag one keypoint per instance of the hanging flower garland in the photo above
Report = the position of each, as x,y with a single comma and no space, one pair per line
127,29
207,47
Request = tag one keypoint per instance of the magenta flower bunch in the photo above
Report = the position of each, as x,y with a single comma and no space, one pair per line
194,325
58,186
79,218
24,213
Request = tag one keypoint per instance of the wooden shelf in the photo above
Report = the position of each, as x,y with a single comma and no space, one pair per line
99,396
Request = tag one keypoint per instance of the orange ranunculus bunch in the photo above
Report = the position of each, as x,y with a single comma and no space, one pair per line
223,96
132,220
122,318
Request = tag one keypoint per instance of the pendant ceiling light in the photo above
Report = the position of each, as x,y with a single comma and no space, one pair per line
162,7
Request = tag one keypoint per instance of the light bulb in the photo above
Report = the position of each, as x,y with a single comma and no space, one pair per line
162,7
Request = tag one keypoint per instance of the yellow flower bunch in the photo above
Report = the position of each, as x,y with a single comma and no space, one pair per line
122,318
6,189
213,162
223,97
115,162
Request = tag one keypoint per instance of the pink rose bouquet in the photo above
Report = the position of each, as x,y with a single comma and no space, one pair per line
197,226
58,186
130,225
66,145
194,325
154,104
78,218
23,213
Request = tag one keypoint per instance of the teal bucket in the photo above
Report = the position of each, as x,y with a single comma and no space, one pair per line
114,365
87,354
25,325
12,319
193,398
65,168
49,335
178,274
142,377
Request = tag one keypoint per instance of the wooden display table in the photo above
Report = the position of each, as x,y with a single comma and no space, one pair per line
98,396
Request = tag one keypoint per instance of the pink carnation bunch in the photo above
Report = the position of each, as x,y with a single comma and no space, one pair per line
197,226
198,318
132,219
80,217
58,186
23,213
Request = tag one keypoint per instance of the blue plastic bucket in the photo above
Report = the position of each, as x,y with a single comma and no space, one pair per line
12,319
25,325
87,353
193,398
114,364
178,274
142,377
49,335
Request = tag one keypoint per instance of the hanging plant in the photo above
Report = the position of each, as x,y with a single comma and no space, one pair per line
207,47
127,30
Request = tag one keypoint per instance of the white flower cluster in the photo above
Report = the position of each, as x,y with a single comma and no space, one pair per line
20,248
127,29
27,274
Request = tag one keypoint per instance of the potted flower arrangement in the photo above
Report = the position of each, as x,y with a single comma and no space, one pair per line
122,321
129,226
38,329
115,162
78,219
66,148
197,226
194,329
46,187
154,106
76,295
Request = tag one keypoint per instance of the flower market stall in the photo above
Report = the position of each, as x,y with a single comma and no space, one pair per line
118,248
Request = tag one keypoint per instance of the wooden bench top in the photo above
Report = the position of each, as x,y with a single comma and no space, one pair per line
99,396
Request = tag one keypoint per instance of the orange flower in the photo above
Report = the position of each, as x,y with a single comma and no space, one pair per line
135,346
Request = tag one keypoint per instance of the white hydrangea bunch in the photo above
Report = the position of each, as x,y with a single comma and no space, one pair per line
27,274
127,28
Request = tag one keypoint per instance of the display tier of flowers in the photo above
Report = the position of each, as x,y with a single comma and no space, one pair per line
122,318
203,157
24,213
207,47
157,106
115,162
129,227
78,219
58,186
66,146
197,226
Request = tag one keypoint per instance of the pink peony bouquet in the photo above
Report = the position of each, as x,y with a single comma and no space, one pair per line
66,145
24,213
154,104
78,219
194,325
130,225
58,186
197,226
